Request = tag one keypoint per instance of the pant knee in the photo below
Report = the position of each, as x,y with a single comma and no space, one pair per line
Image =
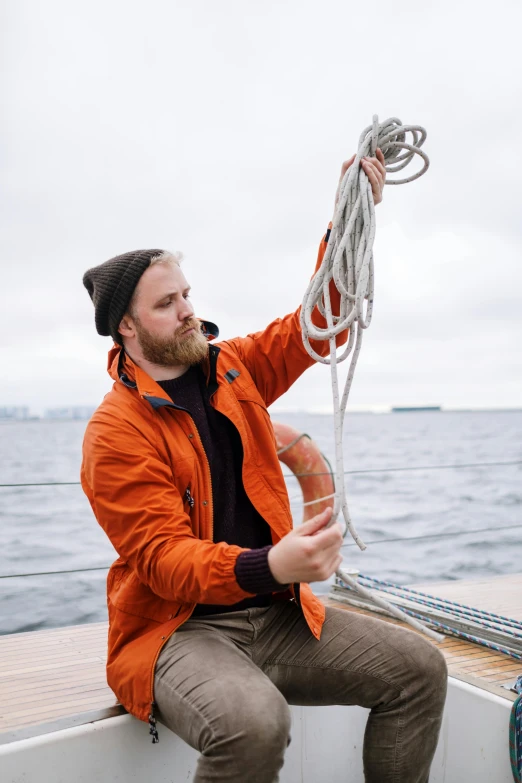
436,667
256,719
434,671
268,722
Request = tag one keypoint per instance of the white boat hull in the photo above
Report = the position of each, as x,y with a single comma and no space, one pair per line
326,746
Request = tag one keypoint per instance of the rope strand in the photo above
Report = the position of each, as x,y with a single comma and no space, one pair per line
415,593
348,264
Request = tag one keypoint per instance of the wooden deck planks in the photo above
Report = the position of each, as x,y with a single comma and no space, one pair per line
50,675
471,662
47,676
498,594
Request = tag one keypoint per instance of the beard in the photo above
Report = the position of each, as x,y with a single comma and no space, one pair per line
175,350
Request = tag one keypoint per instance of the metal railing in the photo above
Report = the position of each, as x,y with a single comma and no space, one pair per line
447,534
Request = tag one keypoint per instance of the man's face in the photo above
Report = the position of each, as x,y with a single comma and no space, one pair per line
166,330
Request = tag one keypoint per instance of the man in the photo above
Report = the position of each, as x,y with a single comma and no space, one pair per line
213,628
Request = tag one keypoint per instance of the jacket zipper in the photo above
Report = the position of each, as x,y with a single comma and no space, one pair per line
188,498
152,720
152,724
153,731
210,501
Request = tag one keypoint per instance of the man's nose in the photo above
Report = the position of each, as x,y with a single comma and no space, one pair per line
186,311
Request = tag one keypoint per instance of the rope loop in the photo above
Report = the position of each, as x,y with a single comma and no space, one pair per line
293,443
348,265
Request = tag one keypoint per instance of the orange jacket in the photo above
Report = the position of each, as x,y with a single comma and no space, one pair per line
140,455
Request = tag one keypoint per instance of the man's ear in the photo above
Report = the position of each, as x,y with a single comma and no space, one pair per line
126,327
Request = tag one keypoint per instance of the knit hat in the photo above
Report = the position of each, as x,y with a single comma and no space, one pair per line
111,286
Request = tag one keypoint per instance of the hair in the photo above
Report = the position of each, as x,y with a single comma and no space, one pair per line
165,257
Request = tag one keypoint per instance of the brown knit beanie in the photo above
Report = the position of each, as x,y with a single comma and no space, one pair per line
111,286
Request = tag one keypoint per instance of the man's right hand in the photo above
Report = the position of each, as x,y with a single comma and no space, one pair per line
309,553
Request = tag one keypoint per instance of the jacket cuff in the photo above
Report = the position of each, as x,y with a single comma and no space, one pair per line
253,573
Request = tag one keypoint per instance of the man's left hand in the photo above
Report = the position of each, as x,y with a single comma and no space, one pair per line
375,170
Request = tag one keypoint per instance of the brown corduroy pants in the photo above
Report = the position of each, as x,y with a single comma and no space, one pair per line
223,684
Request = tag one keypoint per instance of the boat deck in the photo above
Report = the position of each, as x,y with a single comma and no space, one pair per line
55,678
492,671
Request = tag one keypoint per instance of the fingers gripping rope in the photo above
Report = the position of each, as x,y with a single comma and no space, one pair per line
348,262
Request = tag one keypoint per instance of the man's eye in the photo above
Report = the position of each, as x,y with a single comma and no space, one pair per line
186,296
166,304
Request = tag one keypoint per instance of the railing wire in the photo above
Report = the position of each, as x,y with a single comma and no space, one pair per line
351,543
320,473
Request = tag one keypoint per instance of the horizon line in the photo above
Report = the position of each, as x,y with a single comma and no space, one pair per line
318,411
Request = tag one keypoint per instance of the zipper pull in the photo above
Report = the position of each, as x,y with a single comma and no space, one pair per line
152,725
188,497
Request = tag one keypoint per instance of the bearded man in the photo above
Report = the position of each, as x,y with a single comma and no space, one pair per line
213,628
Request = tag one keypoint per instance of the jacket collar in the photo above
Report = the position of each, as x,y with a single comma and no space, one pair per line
122,368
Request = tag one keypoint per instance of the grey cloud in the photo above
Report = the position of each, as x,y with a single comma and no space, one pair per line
219,130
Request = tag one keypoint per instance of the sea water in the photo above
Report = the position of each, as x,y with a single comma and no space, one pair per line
52,528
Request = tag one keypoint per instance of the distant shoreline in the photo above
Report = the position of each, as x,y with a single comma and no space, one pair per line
300,411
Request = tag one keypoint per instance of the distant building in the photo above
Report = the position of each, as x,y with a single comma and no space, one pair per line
15,413
75,412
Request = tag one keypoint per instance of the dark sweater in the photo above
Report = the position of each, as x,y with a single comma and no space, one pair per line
236,521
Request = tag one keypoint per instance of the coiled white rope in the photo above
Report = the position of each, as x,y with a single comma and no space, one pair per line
348,262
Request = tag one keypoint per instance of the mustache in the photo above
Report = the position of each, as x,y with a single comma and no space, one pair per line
192,323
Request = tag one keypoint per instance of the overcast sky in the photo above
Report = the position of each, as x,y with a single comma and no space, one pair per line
218,128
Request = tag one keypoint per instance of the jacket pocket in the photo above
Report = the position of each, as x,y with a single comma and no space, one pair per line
131,596
262,437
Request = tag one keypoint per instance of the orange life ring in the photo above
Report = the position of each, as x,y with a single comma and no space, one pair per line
299,453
